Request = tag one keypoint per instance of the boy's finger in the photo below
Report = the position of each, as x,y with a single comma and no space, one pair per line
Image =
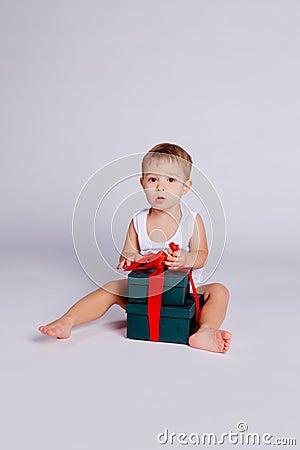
169,263
171,258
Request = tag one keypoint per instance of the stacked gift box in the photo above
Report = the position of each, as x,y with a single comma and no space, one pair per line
177,308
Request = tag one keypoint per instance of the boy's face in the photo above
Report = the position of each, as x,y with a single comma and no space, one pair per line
163,183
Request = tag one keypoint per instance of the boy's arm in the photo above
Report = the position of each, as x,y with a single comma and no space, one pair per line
198,253
131,249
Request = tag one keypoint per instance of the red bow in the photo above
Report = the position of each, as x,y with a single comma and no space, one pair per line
156,284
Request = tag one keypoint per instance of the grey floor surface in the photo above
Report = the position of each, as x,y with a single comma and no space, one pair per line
82,84
99,389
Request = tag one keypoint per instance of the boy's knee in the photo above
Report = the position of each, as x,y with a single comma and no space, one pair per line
116,287
221,291
116,292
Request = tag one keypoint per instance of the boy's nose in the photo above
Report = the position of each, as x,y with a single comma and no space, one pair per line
160,186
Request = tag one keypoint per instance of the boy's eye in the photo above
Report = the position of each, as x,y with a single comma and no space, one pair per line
171,180
152,179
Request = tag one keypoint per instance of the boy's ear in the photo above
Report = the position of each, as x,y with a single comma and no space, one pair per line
142,182
187,186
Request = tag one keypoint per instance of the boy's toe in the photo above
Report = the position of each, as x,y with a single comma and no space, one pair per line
43,329
51,332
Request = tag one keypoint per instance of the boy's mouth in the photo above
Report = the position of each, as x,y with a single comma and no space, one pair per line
160,199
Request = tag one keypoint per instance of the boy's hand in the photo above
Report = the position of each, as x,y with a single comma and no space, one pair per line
127,259
176,260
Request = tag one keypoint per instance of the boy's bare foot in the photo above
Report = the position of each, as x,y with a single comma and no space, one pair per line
60,329
211,340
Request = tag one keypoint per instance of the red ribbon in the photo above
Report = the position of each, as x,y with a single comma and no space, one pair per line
156,284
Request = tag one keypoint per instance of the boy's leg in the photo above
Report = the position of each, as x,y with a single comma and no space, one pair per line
90,307
208,336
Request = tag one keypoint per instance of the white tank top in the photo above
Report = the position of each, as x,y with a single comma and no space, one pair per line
181,237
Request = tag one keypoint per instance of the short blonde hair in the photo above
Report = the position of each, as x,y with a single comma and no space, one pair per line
172,152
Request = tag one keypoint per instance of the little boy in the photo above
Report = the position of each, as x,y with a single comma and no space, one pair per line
165,179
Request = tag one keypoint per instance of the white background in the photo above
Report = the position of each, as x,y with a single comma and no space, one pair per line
83,83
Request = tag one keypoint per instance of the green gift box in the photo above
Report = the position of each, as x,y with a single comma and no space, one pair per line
177,323
175,290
